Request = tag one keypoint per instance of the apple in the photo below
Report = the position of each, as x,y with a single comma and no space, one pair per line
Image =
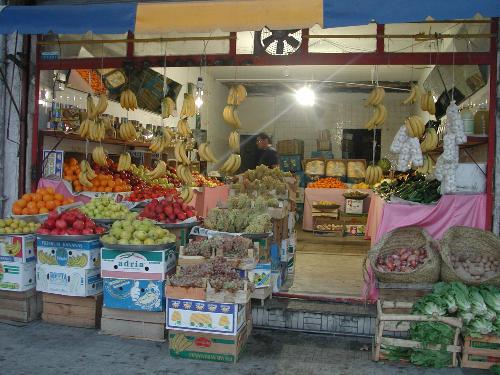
50,223
61,224
87,231
43,231
73,231
79,225
99,230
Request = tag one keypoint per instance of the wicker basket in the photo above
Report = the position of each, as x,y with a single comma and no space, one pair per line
413,238
469,242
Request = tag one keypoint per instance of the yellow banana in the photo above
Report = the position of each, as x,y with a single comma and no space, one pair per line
91,108
82,177
413,95
431,106
241,94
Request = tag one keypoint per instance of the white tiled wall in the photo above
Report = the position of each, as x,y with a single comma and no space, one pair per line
282,118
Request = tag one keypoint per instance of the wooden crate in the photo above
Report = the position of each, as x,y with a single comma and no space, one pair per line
320,221
20,306
84,312
396,317
482,352
142,325
403,292
262,294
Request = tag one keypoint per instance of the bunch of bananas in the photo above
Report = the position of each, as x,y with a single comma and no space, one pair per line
183,128
184,174
86,173
93,111
128,100
206,153
376,97
187,195
237,94
84,129
13,249
181,154
412,96
160,143
99,156
234,141
378,118
373,174
231,117
231,165
415,126
188,106
124,162
179,343
427,103
168,107
430,141
79,261
127,132
97,130
428,166
159,171
44,258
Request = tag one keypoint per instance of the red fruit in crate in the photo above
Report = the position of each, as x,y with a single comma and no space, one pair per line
79,215
61,224
99,230
89,224
158,209
189,213
54,232
172,218
43,231
50,223
53,215
162,217
87,231
79,225
73,231
168,210
181,216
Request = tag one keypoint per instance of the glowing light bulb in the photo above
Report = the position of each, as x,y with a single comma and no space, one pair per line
305,96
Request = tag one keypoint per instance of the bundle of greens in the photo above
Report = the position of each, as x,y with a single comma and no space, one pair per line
233,220
228,246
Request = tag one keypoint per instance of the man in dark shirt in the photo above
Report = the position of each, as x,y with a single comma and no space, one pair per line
268,156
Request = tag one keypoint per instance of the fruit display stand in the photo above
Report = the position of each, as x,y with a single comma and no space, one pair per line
144,325
335,195
83,312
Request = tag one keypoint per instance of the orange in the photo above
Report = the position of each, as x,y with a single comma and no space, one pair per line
50,190
57,203
111,183
26,211
117,189
118,181
32,205
40,204
32,211
47,197
78,188
59,197
16,210
101,189
38,197
22,203
50,205
108,189
43,210
27,197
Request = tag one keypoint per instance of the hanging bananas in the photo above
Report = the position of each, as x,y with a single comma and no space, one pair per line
184,174
376,96
99,156
206,153
231,165
128,100
84,129
412,96
234,141
124,162
183,128
187,195
230,116
168,107
237,94
373,174
378,118
188,106
427,103
428,166
159,171
127,132
160,143
430,141
97,130
86,174
415,126
181,154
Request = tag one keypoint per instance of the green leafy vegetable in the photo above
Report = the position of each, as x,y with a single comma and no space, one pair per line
495,369
430,304
432,333
478,327
491,297
431,358
461,294
477,302
393,353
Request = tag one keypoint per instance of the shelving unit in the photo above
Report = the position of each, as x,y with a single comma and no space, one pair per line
110,141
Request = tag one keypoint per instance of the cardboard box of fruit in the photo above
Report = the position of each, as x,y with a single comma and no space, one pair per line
67,281
18,248
138,295
78,254
17,276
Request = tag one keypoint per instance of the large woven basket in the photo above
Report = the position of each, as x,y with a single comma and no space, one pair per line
468,242
412,238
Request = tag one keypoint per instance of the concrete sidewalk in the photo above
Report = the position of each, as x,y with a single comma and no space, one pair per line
40,348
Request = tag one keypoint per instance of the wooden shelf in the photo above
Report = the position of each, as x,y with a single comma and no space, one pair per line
472,141
75,137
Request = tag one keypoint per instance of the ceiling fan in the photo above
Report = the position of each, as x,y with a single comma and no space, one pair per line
280,42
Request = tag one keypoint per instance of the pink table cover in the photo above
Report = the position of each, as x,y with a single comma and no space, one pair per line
333,195
450,211
208,198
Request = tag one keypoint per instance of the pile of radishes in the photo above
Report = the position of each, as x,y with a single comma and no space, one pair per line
402,260
475,268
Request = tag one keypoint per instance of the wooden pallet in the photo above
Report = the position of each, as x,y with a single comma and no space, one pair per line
403,292
262,294
83,312
482,352
396,317
143,325
20,306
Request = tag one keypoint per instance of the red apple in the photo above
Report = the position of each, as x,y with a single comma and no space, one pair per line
50,223
181,216
54,232
61,224
43,231
78,225
87,231
73,231
53,215
99,230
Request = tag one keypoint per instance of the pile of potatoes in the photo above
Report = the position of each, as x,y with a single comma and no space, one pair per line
475,268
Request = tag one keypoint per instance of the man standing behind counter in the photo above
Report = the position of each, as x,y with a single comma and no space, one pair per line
268,156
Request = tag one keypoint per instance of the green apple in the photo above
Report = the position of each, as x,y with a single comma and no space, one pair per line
123,241
109,239
115,232
149,241
140,235
135,241
126,235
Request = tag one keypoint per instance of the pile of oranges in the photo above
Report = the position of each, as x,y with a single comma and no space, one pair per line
71,170
41,202
327,183
103,183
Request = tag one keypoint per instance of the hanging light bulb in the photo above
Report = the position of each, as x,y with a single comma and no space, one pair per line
199,93
305,96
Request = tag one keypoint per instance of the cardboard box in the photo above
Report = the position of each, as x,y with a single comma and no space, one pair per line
53,163
139,295
260,275
20,306
284,250
208,347
323,145
18,248
201,316
83,312
263,247
290,147
354,218
137,265
68,281
354,206
471,178
276,281
291,263
81,254
145,325
17,276
355,229
209,294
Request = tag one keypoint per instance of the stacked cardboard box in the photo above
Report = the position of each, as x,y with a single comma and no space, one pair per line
68,274
18,299
134,292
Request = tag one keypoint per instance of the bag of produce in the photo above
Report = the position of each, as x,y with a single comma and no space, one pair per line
335,168
405,255
470,255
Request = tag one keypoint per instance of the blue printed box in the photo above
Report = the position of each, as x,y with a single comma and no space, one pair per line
68,281
139,295
260,275
81,254
201,316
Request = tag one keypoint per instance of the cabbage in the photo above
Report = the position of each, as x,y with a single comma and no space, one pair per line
466,316
491,297
490,315
477,302
478,327
461,294
430,305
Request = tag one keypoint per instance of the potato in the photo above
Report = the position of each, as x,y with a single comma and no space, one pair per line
476,270
489,274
